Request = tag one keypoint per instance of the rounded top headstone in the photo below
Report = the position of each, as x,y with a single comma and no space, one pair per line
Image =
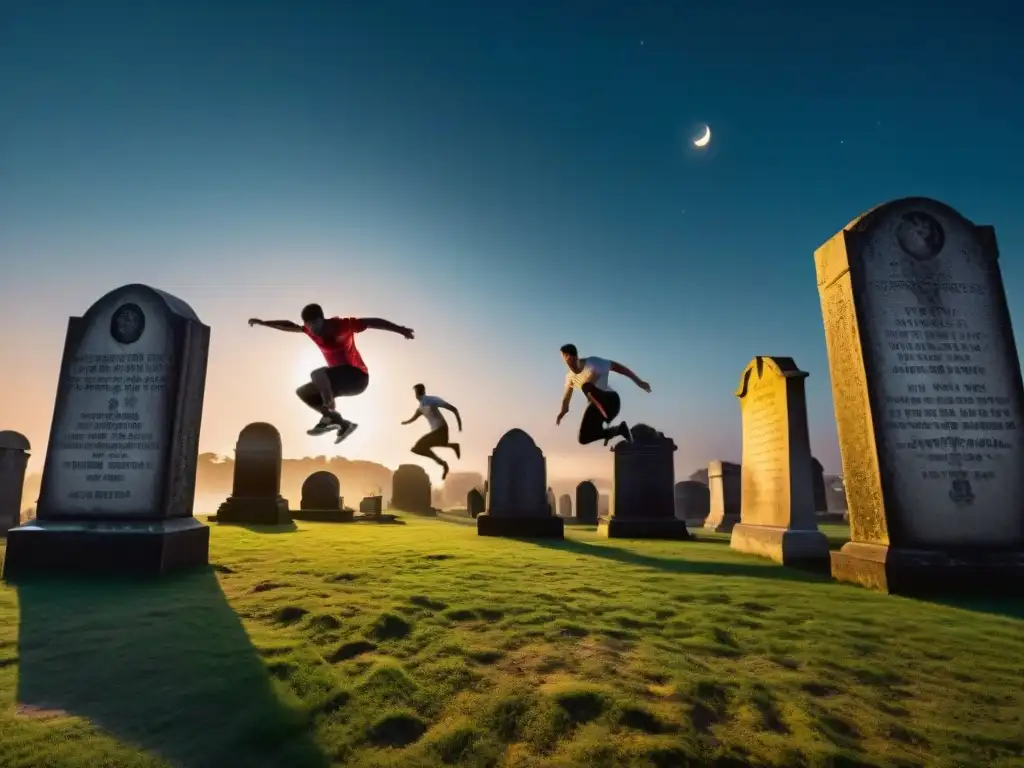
920,226
645,438
411,469
321,479
13,441
259,436
585,484
515,439
173,303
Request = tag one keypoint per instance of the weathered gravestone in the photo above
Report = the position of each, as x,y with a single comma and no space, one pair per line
693,501
475,502
643,501
321,500
586,503
926,385
410,490
604,505
565,505
818,481
371,505
14,448
517,503
256,491
777,518
552,504
724,486
119,475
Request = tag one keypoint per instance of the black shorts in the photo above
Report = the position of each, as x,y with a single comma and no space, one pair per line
437,438
347,380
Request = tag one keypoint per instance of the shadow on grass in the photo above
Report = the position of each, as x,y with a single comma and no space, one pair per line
766,571
1010,607
286,528
164,665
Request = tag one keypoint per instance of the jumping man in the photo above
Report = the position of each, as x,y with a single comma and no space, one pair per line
437,437
590,376
345,374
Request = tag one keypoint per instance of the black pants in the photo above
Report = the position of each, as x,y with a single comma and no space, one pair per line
592,427
346,381
436,438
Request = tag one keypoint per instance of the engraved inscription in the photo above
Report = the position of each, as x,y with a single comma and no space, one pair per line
765,454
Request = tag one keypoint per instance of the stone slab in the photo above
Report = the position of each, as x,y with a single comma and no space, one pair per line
786,546
659,528
520,527
106,548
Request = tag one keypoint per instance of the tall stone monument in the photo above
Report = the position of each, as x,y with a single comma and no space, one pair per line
410,490
565,506
725,488
256,491
517,501
586,503
926,384
321,500
119,475
643,500
14,448
777,517
475,503
693,501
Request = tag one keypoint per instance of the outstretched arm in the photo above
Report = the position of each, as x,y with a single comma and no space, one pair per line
454,410
413,418
278,325
379,324
623,370
566,397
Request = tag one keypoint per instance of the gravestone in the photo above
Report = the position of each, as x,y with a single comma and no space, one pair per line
777,518
643,500
693,501
321,500
371,505
517,500
565,505
724,487
256,490
552,504
410,490
474,502
926,385
119,475
14,448
586,503
818,481
604,506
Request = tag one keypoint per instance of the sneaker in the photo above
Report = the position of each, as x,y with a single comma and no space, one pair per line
624,431
458,450
325,425
344,431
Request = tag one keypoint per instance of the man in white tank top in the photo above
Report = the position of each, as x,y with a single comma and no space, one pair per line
437,437
590,376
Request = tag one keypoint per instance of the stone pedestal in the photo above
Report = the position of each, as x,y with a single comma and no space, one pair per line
119,476
14,448
643,501
724,484
256,491
321,500
929,403
517,499
777,513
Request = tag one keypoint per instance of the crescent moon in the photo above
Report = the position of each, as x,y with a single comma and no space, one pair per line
705,139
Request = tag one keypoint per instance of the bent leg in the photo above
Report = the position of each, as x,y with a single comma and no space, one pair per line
425,445
310,394
591,426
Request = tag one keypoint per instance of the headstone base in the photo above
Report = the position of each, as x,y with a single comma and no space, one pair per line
254,511
658,528
118,548
725,525
324,515
783,545
520,527
929,572
382,518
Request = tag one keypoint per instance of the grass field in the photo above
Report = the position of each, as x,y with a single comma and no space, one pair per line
424,645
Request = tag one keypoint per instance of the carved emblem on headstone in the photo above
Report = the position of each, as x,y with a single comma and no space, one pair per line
920,235
127,324
960,492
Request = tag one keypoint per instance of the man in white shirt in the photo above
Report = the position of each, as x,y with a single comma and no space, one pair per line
437,437
590,376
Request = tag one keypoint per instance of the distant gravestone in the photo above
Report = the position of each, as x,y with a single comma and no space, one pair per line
565,505
777,518
371,505
693,501
321,500
586,503
410,490
604,506
256,490
643,501
926,385
517,500
552,504
474,502
725,489
14,448
818,481
119,475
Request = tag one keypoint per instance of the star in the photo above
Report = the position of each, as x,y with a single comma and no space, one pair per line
641,42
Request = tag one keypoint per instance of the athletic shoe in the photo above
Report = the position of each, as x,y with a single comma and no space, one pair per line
624,431
345,431
325,425
458,451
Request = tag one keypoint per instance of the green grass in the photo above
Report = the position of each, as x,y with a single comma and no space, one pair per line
424,645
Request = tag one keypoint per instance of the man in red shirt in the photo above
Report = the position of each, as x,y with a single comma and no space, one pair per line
345,374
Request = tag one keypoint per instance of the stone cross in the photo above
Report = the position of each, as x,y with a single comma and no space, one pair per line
586,503
256,489
119,475
517,500
777,517
14,455
410,490
724,485
926,383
